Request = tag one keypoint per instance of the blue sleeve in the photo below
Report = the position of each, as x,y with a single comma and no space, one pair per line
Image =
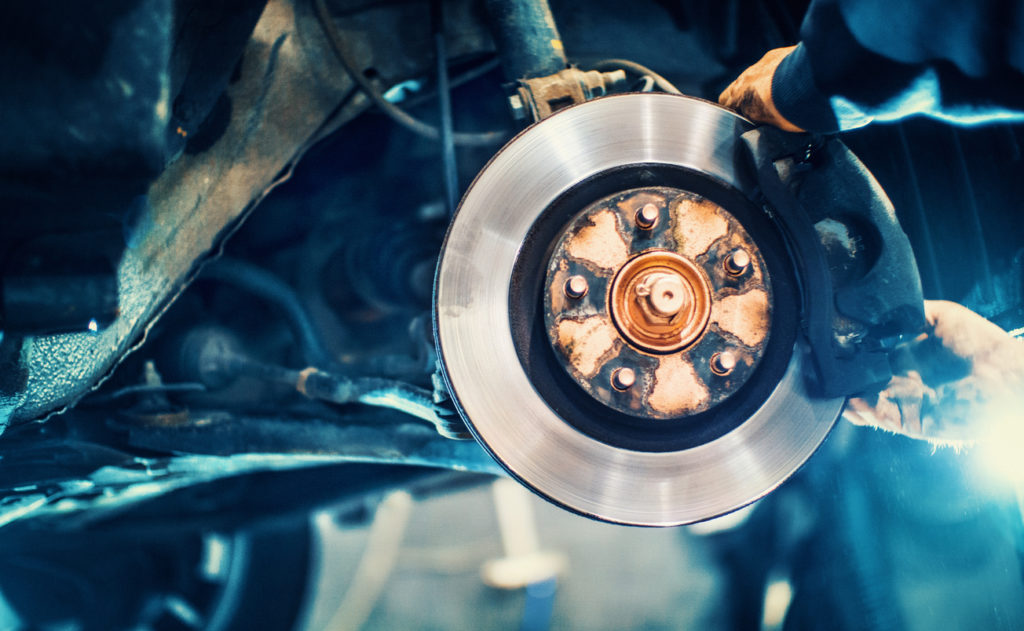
875,60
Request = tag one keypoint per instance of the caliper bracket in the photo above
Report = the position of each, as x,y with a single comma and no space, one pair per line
861,290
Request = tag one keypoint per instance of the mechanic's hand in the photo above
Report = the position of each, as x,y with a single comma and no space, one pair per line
959,383
751,93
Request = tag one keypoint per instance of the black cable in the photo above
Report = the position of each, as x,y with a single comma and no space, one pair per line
143,389
473,73
397,114
460,79
269,287
624,64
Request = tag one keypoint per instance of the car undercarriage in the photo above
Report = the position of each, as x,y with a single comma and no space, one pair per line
274,270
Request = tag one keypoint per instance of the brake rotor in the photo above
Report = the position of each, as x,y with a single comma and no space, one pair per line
618,322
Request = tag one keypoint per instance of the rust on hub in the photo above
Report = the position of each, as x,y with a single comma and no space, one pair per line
643,288
660,301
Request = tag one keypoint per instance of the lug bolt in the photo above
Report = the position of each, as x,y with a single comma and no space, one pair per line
723,363
647,216
576,286
623,378
737,262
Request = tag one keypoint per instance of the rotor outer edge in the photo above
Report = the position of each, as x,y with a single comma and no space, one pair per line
492,391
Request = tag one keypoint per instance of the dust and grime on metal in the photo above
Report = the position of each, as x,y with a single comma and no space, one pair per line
657,302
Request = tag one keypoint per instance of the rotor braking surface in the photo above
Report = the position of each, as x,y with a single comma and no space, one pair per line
638,190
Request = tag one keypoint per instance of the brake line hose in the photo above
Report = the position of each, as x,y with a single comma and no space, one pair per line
397,114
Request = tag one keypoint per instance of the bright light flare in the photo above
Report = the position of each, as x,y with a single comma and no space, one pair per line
999,450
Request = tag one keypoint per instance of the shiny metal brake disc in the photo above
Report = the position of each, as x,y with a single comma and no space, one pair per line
618,322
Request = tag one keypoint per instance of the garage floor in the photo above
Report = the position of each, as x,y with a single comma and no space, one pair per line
615,577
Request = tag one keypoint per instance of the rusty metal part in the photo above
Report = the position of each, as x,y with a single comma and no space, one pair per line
746,316
623,378
285,99
678,389
737,262
588,342
664,294
723,363
576,286
660,300
543,96
600,243
647,216
483,324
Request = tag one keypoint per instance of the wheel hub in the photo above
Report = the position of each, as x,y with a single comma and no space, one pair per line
660,302
667,285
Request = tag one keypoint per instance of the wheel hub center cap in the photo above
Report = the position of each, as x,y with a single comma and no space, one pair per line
660,302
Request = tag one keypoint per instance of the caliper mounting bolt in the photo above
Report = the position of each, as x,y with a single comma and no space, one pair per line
623,378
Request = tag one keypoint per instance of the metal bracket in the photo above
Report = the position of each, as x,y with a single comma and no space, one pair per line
535,99
860,284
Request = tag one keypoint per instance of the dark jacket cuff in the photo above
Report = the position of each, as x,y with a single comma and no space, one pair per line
797,98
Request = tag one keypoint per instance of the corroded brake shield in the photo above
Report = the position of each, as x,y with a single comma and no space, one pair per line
618,321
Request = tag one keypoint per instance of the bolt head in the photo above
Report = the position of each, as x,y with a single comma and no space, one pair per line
515,103
723,363
737,262
647,216
576,287
623,378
